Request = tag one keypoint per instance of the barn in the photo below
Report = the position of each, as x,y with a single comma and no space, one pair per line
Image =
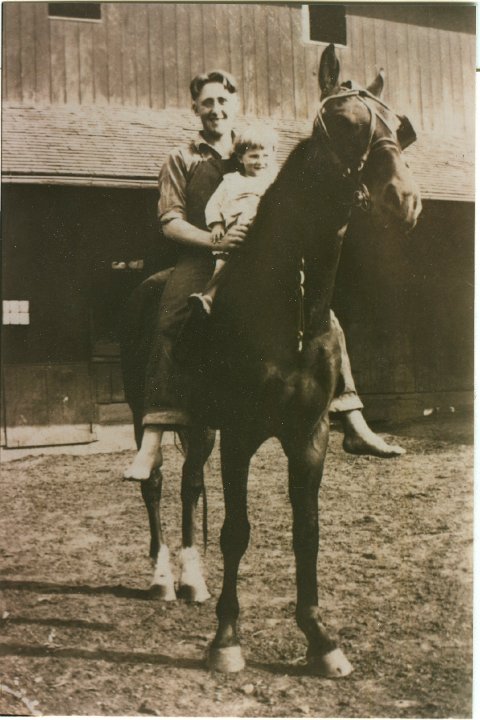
95,95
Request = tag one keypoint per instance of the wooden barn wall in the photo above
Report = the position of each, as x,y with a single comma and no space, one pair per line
407,304
144,54
61,245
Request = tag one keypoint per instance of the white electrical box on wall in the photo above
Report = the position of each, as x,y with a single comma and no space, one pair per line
16,312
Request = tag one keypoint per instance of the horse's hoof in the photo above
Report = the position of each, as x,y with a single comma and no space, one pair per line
332,665
189,593
162,592
226,660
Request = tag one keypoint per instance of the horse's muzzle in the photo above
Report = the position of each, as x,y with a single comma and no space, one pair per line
401,206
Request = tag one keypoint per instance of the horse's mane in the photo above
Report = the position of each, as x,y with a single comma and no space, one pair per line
283,187
303,181
285,230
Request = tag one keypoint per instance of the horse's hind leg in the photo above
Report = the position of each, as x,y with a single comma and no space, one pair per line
306,461
198,445
162,581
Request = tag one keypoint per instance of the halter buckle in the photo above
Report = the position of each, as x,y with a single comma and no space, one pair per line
361,198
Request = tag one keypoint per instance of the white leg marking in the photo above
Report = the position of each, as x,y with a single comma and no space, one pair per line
162,574
192,585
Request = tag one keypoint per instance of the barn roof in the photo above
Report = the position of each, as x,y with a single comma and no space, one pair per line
125,147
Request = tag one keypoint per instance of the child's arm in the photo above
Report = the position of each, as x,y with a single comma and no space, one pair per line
217,231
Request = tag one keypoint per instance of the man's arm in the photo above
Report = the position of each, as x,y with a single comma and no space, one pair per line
186,234
172,183
172,209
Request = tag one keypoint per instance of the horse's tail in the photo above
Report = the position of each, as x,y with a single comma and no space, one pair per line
179,444
204,517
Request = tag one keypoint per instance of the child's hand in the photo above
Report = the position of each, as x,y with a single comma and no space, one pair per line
217,233
233,238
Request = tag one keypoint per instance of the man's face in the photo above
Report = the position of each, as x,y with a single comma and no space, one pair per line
217,110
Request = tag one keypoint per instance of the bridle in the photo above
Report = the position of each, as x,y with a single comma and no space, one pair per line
398,139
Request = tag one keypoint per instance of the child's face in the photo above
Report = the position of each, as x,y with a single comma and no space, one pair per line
256,160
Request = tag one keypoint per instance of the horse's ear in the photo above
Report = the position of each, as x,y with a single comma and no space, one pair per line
329,71
376,87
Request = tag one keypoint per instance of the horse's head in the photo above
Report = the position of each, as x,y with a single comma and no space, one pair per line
367,138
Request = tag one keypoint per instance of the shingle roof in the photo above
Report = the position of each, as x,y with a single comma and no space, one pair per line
110,146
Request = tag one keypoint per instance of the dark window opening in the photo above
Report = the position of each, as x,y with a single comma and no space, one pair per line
75,10
328,24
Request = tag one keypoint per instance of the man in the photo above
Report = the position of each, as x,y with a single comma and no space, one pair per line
186,183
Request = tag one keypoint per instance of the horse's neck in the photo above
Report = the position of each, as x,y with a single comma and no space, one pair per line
301,221
296,221
320,276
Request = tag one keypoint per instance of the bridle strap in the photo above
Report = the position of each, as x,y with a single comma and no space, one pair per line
362,96
301,319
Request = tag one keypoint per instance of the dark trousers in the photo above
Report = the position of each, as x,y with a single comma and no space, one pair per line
168,384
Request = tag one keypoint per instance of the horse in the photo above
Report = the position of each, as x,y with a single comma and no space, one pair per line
271,353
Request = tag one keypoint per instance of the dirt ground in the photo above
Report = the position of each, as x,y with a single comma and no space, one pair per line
81,634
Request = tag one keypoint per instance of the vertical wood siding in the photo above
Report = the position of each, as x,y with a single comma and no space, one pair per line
144,54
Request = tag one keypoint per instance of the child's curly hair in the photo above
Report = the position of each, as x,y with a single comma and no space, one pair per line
253,137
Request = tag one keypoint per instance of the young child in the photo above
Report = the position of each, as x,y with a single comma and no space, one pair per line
236,199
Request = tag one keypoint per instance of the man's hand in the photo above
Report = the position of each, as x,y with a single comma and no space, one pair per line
233,238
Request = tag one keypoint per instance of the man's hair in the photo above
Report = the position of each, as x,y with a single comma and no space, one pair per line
254,137
214,76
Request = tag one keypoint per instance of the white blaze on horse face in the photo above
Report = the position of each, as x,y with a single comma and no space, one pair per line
401,198
395,202
394,193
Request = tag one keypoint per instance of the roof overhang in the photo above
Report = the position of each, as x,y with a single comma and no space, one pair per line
106,146
79,180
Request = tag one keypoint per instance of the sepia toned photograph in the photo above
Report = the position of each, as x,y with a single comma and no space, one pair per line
237,359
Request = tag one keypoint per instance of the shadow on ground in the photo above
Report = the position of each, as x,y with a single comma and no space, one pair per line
448,427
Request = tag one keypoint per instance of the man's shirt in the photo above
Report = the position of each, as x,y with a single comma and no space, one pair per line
175,174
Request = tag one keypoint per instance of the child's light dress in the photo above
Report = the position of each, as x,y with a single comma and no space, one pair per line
236,198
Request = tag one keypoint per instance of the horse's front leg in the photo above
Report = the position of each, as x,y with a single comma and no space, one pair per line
306,460
162,582
198,444
225,652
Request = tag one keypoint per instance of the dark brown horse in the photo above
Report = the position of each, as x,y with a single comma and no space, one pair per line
273,356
